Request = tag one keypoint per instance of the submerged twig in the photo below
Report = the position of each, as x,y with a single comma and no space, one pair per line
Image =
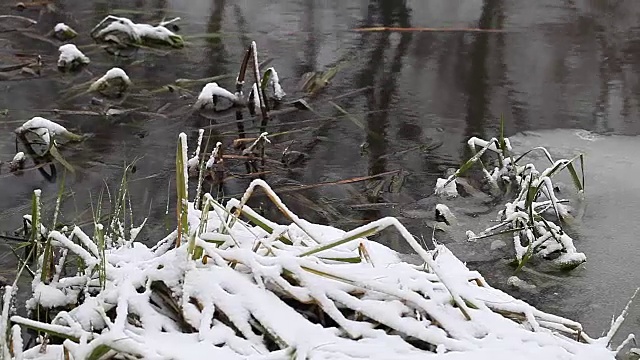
426,29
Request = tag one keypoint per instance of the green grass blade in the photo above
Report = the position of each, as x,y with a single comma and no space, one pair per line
182,190
341,241
98,352
350,260
502,143
256,221
467,165
574,177
344,112
53,150
102,269
36,208
540,148
265,80
574,174
582,169
326,275
527,256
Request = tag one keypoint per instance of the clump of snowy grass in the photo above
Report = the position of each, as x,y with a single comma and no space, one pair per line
71,58
53,128
208,97
271,85
523,217
135,33
42,137
64,32
17,162
114,81
233,284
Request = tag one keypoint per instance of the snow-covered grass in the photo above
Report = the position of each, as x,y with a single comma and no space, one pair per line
273,88
232,284
41,138
137,33
208,97
114,80
70,57
38,122
523,216
64,32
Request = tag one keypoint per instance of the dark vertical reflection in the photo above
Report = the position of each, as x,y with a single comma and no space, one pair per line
216,64
216,53
392,13
477,78
100,10
159,9
477,84
243,26
309,30
138,16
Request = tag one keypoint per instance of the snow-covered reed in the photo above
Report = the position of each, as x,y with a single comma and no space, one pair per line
137,33
71,57
524,216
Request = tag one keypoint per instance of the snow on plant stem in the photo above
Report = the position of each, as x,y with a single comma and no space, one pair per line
256,72
108,78
4,322
38,122
61,27
274,84
64,32
138,32
214,155
182,178
195,159
254,99
19,157
209,95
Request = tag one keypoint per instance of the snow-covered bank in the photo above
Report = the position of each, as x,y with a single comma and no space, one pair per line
281,291
233,284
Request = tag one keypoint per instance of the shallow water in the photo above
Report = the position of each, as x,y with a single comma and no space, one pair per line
557,65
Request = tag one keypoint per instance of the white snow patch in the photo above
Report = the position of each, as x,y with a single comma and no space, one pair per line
274,85
69,53
42,123
62,27
444,211
51,297
112,74
211,91
446,187
19,157
137,31
214,155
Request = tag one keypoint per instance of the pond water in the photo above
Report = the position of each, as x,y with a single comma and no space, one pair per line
571,64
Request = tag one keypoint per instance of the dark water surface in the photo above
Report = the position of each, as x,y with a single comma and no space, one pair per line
558,64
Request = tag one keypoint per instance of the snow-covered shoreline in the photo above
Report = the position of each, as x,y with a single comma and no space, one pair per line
281,291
